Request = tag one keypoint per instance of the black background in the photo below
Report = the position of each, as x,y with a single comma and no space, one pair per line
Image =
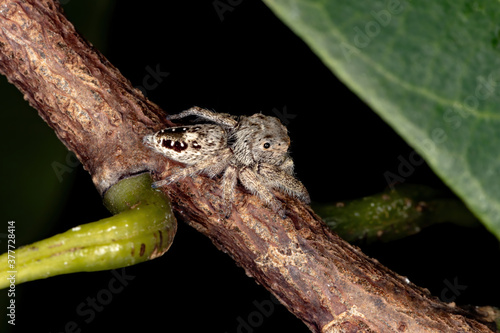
246,63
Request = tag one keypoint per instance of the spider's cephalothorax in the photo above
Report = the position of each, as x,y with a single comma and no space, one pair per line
253,150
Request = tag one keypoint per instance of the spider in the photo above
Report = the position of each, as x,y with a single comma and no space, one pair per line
253,150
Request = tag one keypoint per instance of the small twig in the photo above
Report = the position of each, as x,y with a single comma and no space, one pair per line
394,214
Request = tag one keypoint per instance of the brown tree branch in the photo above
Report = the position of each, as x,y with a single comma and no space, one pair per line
330,285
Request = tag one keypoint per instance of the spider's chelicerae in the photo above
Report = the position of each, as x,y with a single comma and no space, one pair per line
253,150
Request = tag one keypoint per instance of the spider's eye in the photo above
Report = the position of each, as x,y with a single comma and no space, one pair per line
267,145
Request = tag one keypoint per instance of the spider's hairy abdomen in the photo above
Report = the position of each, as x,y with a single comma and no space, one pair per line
188,144
253,150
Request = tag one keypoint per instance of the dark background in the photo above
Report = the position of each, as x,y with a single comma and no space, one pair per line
248,62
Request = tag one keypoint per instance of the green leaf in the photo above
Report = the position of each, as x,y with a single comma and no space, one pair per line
430,69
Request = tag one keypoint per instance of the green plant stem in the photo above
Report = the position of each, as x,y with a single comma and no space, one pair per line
393,214
142,229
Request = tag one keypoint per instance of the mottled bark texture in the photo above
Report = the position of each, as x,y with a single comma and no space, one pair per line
95,111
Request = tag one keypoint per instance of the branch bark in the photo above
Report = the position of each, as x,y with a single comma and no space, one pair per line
330,285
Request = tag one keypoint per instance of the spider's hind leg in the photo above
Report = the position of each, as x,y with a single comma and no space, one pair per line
229,181
210,166
218,118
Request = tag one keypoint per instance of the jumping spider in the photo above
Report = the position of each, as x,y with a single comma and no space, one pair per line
252,149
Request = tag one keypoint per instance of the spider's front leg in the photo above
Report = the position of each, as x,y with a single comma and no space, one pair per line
252,182
287,166
277,177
